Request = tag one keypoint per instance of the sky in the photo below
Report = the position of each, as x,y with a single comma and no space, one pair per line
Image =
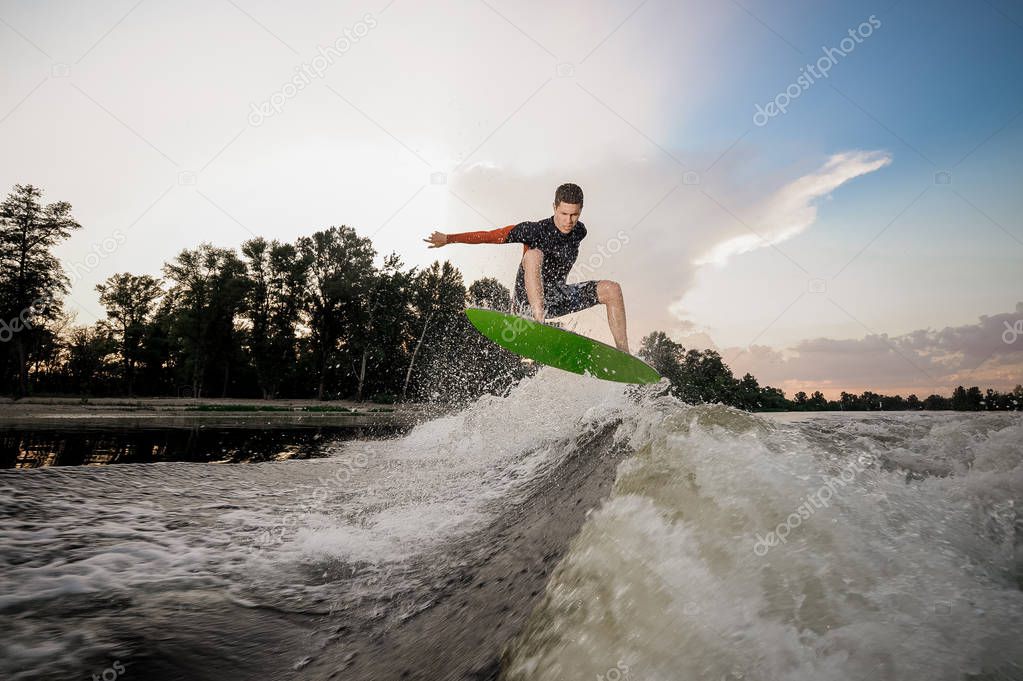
827,193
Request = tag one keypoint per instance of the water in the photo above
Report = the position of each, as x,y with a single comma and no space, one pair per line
718,554
31,448
909,566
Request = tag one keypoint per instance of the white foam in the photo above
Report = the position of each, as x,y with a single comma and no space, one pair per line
894,579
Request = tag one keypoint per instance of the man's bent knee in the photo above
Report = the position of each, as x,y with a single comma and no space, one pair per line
608,291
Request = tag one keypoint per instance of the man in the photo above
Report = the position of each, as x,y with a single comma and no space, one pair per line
550,248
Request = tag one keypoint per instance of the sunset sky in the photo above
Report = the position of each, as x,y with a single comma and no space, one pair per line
869,236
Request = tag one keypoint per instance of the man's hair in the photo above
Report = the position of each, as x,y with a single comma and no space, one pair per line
568,193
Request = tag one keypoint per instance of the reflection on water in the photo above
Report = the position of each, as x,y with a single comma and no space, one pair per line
89,447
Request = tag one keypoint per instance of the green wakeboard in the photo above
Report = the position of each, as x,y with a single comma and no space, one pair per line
559,348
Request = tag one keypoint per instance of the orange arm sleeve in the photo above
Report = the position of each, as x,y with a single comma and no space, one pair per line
493,236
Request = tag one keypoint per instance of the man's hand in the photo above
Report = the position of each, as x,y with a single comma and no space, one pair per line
437,239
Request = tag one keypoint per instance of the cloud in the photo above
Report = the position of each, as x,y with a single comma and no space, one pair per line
988,353
792,209
672,228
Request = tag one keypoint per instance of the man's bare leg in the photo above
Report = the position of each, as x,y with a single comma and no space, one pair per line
610,294
531,262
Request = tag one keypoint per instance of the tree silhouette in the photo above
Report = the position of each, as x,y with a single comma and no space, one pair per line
129,301
31,277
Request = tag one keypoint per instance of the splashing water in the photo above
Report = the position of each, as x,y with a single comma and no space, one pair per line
732,546
832,547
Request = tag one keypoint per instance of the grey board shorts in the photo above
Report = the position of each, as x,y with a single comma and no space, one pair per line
559,299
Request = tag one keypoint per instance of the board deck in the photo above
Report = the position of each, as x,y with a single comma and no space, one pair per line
560,348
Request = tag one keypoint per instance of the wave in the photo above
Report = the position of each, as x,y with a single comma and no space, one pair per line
737,546
583,528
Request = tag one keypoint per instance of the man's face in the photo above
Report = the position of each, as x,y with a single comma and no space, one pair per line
566,215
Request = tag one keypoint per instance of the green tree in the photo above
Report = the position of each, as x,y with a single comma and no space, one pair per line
31,277
773,399
384,341
665,355
486,366
748,393
439,302
889,403
340,279
709,378
937,402
974,399
489,293
817,401
869,401
88,350
129,301
967,400
207,292
278,275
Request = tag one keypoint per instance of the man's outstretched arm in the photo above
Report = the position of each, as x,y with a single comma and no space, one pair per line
492,236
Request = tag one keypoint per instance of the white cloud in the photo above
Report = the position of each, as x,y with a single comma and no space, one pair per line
792,209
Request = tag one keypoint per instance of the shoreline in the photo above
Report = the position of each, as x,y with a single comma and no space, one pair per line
68,413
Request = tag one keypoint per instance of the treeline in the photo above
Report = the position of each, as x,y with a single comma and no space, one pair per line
702,376
315,318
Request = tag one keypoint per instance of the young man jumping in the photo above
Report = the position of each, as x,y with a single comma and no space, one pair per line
550,248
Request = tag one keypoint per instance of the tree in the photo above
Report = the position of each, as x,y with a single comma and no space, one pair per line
664,355
895,403
438,302
340,277
87,351
936,402
384,341
274,299
489,293
868,401
967,400
486,366
709,378
801,399
129,301
661,352
207,293
773,399
817,401
747,393
31,277
974,399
